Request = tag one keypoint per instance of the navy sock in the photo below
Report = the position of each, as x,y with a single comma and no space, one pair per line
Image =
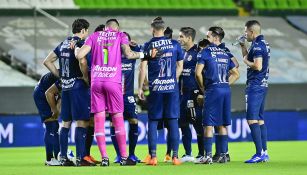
168,144
208,145
64,141
264,136
133,137
186,139
89,140
56,139
48,138
218,143
200,137
224,143
114,141
80,137
152,137
174,136
256,135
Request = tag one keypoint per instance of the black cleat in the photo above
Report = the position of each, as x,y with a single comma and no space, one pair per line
222,158
105,162
83,162
127,162
228,157
215,157
64,161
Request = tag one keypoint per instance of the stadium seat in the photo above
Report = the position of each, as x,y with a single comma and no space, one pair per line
282,4
294,4
206,4
259,4
271,4
303,4
229,4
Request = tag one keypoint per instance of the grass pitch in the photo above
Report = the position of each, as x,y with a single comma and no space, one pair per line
287,158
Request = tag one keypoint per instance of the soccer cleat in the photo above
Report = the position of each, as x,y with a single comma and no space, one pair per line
215,157
88,158
228,157
256,159
176,161
265,157
126,162
207,159
147,159
222,158
52,162
167,158
82,162
198,159
117,159
105,162
64,161
134,158
94,160
153,161
187,158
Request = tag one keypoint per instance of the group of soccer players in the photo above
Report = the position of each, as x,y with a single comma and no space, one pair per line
188,84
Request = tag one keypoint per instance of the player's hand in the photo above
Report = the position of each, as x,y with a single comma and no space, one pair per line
241,39
55,114
200,100
86,80
133,43
153,53
141,94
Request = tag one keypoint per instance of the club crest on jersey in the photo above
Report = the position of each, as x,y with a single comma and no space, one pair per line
189,58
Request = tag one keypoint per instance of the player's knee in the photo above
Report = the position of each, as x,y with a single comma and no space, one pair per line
250,122
260,122
82,123
66,124
133,121
208,131
91,122
222,130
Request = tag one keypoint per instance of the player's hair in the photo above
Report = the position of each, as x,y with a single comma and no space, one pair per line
110,21
251,23
129,38
188,31
217,31
100,28
158,23
79,24
168,32
202,43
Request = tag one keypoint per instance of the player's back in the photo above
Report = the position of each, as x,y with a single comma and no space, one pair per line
106,55
217,65
162,69
46,81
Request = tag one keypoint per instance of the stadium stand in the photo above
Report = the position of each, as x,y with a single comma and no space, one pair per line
44,4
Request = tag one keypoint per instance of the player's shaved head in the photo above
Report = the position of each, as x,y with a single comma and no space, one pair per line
254,26
113,23
158,23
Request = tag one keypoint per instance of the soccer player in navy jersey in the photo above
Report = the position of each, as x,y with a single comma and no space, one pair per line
190,111
75,91
164,67
130,111
49,116
214,72
257,60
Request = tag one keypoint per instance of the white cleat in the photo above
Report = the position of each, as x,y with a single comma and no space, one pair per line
187,158
199,160
52,162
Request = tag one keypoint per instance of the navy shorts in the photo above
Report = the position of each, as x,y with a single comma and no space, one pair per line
75,103
130,107
41,104
255,101
217,107
190,111
163,105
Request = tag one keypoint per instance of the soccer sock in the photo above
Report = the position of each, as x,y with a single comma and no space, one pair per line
120,132
80,137
218,143
113,138
152,137
56,139
89,140
133,137
99,120
168,144
48,141
208,145
174,136
264,136
200,137
186,139
64,141
256,135
224,143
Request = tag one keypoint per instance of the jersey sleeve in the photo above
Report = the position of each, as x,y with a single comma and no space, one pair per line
123,39
57,50
89,41
201,57
180,53
257,51
231,64
228,53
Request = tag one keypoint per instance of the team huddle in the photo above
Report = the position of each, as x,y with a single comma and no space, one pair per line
188,84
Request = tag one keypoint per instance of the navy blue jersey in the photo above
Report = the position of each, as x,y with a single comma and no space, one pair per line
47,81
128,67
217,65
259,48
69,65
223,46
188,73
162,70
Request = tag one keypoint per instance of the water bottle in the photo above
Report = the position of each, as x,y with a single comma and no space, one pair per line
240,39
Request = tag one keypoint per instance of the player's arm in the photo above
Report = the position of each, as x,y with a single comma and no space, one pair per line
49,63
235,61
256,65
179,68
83,65
234,75
243,49
128,53
142,75
199,76
51,93
82,52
